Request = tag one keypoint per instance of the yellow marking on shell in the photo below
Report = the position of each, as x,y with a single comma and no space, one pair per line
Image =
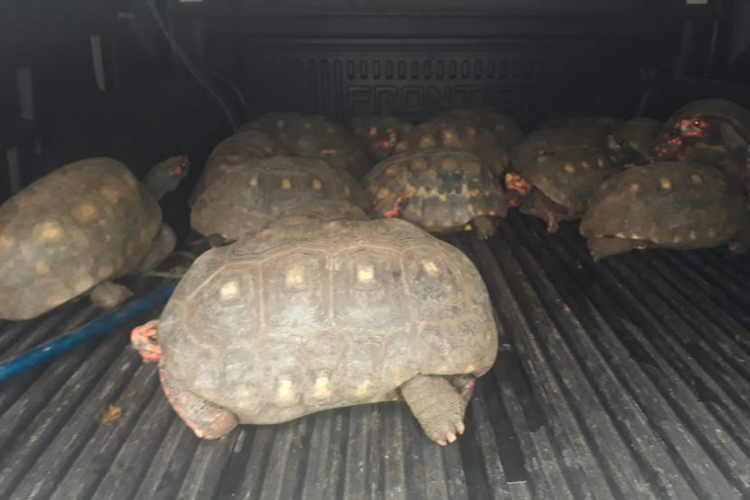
42,268
442,197
635,187
422,192
268,150
229,290
586,165
285,391
365,273
600,162
430,268
372,132
307,125
321,389
697,179
621,235
450,164
330,130
711,233
570,168
111,194
427,141
317,185
418,164
6,243
468,193
467,227
469,368
286,183
280,123
382,193
665,183
347,191
693,235
84,284
50,230
392,170
471,131
542,158
294,277
362,389
253,180
108,237
84,212
676,239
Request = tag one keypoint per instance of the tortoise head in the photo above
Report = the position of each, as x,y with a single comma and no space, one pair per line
696,127
384,141
517,188
399,207
165,176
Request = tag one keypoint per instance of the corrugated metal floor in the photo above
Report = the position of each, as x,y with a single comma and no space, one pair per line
625,379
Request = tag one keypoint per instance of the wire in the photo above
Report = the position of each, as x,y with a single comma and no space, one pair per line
192,68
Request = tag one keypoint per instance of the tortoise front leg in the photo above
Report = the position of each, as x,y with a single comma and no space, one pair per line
484,226
207,420
438,407
109,295
606,247
546,209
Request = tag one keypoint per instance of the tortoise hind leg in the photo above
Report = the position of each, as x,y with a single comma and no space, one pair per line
606,247
207,420
108,294
164,243
438,407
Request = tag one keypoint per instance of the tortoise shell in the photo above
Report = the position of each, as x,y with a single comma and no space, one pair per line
503,126
633,141
456,134
243,201
380,134
234,151
565,164
443,190
84,223
324,211
283,325
668,204
314,136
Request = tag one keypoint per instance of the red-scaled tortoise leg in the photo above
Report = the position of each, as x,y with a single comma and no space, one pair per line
144,339
207,420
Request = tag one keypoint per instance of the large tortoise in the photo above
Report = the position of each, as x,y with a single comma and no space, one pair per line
244,201
234,152
711,131
380,134
554,170
678,205
279,326
452,133
315,136
440,190
503,126
77,228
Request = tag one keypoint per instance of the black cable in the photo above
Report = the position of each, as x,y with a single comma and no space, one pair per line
192,68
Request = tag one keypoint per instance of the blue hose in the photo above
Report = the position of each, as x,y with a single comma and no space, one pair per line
60,345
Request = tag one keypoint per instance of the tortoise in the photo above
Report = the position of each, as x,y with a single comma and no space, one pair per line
451,133
244,201
440,190
234,151
315,136
77,228
682,205
712,131
503,126
279,326
380,134
633,141
556,169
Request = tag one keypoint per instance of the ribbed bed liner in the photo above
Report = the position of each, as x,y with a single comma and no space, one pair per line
624,379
